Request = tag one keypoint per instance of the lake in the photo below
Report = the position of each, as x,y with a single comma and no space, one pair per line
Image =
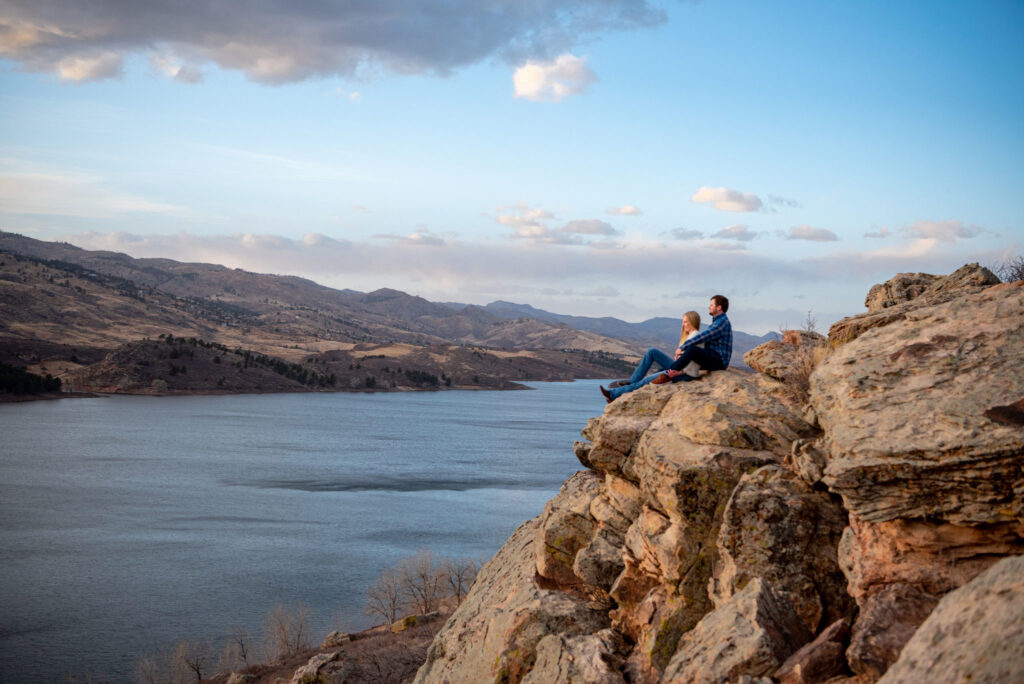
128,524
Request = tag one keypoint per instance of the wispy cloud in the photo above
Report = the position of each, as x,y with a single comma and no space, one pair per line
736,232
877,234
589,227
422,237
552,81
811,234
78,195
943,231
725,199
686,234
783,202
279,42
624,210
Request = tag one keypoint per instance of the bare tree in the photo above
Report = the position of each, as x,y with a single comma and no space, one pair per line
385,598
459,573
420,579
287,628
1010,270
193,656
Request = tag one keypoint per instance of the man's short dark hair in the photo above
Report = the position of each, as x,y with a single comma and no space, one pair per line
722,301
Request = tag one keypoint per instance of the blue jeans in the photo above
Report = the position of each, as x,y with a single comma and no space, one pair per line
637,380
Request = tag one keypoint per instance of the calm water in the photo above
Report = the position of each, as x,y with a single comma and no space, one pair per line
128,524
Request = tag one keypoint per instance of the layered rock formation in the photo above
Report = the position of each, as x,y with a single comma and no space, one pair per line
770,527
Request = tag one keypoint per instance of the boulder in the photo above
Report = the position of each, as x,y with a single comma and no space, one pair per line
788,360
818,661
888,618
752,635
975,634
335,639
592,658
566,526
934,556
494,633
893,300
310,671
777,528
904,408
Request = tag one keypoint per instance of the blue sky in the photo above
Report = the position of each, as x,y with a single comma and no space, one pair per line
613,157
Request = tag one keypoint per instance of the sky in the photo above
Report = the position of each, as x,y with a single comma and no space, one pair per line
623,158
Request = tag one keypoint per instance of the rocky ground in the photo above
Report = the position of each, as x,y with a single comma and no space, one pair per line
860,523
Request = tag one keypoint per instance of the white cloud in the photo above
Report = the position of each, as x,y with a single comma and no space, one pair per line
736,232
725,199
553,81
90,67
812,234
277,42
882,233
943,231
624,210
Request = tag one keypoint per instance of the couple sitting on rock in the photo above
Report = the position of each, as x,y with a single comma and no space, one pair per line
709,350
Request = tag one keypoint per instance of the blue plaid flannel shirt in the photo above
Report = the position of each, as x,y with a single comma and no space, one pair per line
716,339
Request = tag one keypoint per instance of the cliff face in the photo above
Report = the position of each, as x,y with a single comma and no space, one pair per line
760,527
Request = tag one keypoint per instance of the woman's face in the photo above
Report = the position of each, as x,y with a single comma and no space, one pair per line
686,325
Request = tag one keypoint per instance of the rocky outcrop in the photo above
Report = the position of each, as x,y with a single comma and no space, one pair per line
976,634
892,300
721,525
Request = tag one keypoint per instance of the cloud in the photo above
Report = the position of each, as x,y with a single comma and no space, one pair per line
783,201
89,67
279,41
552,81
725,246
686,234
725,199
49,193
883,233
605,291
812,234
532,224
172,67
735,232
943,231
624,210
421,237
589,227
351,96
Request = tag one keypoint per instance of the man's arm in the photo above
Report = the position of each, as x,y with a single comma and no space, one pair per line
714,331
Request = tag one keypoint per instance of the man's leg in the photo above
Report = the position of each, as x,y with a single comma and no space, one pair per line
650,358
704,358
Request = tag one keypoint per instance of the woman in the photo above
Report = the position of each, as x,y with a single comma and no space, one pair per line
691,326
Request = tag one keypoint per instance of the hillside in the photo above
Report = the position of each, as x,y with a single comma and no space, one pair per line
63,309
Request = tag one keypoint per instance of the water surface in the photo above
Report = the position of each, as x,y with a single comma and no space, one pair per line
128,524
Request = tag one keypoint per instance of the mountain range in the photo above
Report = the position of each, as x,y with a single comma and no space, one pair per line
65,308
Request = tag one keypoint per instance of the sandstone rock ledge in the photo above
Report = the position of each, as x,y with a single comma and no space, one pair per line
735,530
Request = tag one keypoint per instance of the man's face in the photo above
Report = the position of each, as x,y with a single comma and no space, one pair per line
714,309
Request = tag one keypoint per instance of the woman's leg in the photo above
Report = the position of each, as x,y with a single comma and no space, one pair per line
653,356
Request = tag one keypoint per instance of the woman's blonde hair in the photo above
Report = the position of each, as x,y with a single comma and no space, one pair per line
694,318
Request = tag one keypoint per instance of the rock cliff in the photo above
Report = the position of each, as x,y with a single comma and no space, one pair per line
771,527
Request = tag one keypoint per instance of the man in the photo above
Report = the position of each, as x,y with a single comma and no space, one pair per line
710,349
717,349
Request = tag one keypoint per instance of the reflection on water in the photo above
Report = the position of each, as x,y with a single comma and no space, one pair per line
130,523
